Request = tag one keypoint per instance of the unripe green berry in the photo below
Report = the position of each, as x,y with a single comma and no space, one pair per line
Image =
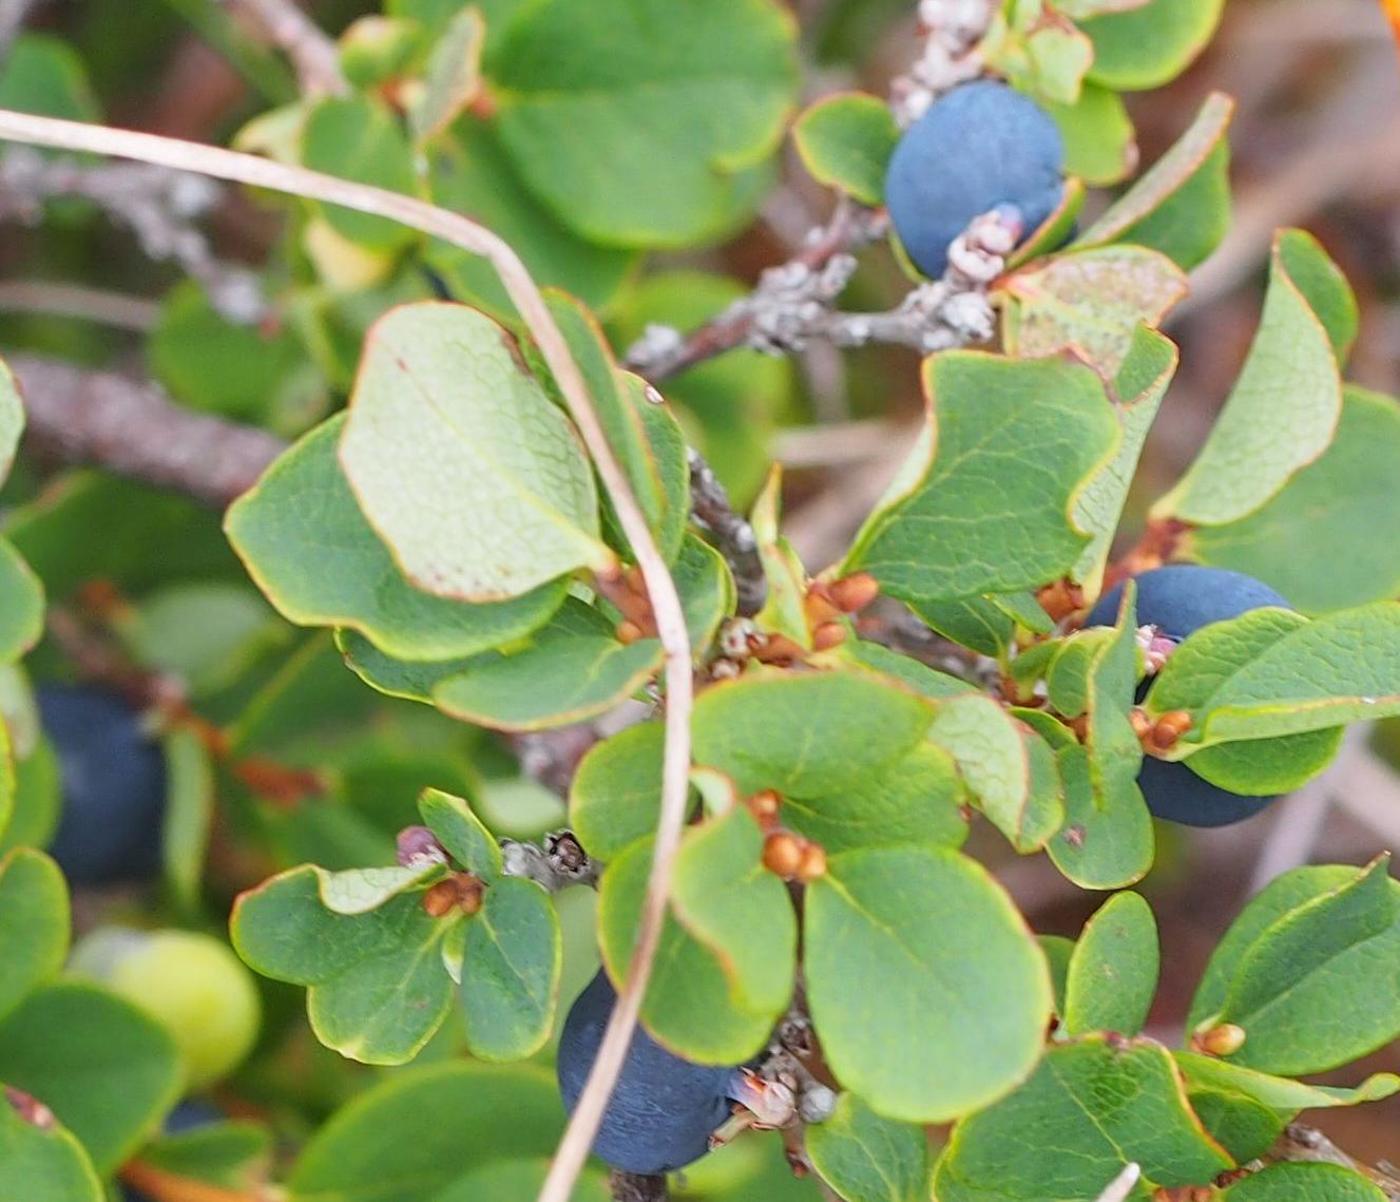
191,984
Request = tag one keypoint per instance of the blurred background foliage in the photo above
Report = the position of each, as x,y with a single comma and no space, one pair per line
321,768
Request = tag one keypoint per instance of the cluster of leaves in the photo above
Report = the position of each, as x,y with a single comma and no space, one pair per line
445,537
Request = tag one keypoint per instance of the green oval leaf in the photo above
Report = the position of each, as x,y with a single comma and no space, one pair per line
914,955
33,923
1091,1108
846,141
41,1165
724,896
702,86
805,735
689,1006
102,1066
1113,972
974,510
474,479
379,1148
1147,46
1338,507
1280,416
510,973
1181,204
302,505
866,1158
376,985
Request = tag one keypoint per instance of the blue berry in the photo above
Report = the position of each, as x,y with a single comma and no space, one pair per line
664,1109
113,777
1178,600
981,146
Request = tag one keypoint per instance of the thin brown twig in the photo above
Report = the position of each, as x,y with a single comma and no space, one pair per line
661,589
78,415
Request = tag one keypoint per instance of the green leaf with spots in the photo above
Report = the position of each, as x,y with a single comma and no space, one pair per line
43,1164
107,1071
846,142
1106,841
1009,770
33,923
591,98
1181,205
302,506
1338,507
973,510
1146,46
376,986
1282,412
475,480
511,971
1113,972
724,897
921,941
866,1158
689,1006
805,735
1090,301
1092,1108
359,138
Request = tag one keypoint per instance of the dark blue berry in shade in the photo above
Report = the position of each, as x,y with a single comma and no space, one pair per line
113,778
1181,598
664,1109
1178,600
980,146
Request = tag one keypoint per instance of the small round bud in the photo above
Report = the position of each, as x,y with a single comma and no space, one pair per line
1169,729
439,899
782,854
854,593
828,635
764,805
1223,1040
416,844
813,863
817,1103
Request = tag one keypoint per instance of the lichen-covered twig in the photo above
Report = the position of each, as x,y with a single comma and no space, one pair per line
158,205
